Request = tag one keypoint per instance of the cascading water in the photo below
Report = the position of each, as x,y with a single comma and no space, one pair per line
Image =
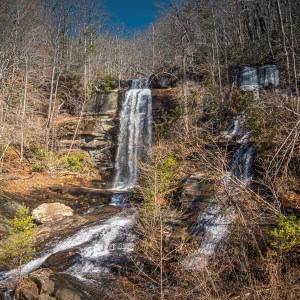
103,244
97,243
135,134
134,138
215,222
235,128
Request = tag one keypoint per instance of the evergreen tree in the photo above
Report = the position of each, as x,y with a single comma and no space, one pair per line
19,246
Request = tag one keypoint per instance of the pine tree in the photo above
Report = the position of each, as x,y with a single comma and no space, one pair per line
19,246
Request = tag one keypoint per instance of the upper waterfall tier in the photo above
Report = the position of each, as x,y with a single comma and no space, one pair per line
135,133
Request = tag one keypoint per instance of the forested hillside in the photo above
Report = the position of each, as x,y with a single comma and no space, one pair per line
53,53
161,163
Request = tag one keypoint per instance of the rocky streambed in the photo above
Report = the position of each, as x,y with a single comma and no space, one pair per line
79,240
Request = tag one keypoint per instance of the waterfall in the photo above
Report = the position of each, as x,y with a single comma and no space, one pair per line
255,78
101,245
235,128
215,222
135,134
134,138
98,244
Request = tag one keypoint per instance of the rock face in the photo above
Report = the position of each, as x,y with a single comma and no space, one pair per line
50,212
172,78
96,130
98,127
164,103
196,193
162,81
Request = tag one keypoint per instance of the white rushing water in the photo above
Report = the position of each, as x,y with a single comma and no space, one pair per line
216,222
104,244
235,128
134,139
95,242
135,134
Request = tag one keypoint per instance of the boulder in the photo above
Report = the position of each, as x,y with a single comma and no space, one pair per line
62,260
51,212
66,294
27,290
28,295
42,280
44,284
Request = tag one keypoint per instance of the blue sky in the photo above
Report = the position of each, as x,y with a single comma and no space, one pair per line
134,14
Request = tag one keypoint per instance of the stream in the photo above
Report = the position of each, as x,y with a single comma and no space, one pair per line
107,243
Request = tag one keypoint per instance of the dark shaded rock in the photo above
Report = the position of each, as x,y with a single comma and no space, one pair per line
105,195
162,81
193,76
196,193
28,295
172,78
164,103
62,260
125,84
67,287
102,184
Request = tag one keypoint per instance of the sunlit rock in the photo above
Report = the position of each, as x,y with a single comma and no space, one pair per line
50,212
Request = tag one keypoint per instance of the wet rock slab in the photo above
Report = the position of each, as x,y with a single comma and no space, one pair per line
82,191
62,260
46,232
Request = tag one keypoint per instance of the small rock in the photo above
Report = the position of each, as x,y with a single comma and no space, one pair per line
50,212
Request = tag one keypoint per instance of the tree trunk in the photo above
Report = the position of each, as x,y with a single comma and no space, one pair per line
24,108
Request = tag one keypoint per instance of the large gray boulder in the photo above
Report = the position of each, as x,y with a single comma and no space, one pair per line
51,212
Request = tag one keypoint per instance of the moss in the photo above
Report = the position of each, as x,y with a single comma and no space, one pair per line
241,101
108,83
42,160
286,236
76,162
